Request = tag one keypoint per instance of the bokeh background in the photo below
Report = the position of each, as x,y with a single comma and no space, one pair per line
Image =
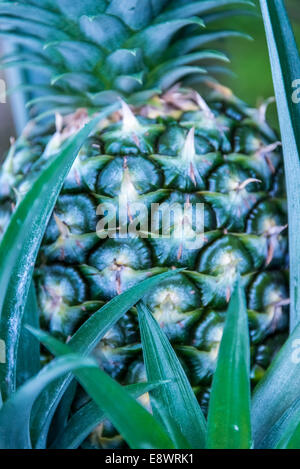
249,62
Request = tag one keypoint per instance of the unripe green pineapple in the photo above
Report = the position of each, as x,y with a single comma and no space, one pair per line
167,147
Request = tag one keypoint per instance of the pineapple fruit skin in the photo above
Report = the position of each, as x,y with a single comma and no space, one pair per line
234,169
232,165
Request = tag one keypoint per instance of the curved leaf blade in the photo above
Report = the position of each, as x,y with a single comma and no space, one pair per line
83,422
174,404
200,8
229,425
285,64
15,412
28,363
291,436
288,421
274,394
137,426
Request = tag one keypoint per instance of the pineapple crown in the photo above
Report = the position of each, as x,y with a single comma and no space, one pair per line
92,52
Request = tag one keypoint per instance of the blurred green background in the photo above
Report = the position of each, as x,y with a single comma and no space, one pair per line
250,63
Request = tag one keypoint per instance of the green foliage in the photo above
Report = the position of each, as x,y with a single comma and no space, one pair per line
285,63
103,46
86,419
141,430
28,360
16,411
229,423
278,390
174,404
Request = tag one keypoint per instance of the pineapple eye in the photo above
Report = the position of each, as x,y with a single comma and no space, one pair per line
59,288
109,352
142,175
209,331
168,296
136,372
246,141
116,265
122,259
224,255
227,259
131,136
127,252
265,216
77,212
214,129
268,224
217,334
233,184
174,305
274,296
229,177
267,290
177,296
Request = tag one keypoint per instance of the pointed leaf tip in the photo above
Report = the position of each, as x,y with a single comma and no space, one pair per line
175,403
229,424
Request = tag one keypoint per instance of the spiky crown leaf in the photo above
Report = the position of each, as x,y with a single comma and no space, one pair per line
93,51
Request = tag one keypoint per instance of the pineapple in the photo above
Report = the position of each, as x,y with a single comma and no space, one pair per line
166,147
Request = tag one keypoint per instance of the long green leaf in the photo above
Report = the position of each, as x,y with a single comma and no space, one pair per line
278,390
174,404
137,426
15,412
285,63
88,417
291,436
200,8
28,363
61,415
83,341
20,245
286,423
229,425
290,441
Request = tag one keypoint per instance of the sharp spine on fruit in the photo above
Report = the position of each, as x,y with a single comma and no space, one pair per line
221,89
62,227
262,110
188,152
59,122
275,230
278,311
245,183
8,165
228,293
271,236
204,106
269,148
128,192
264,152
130,123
